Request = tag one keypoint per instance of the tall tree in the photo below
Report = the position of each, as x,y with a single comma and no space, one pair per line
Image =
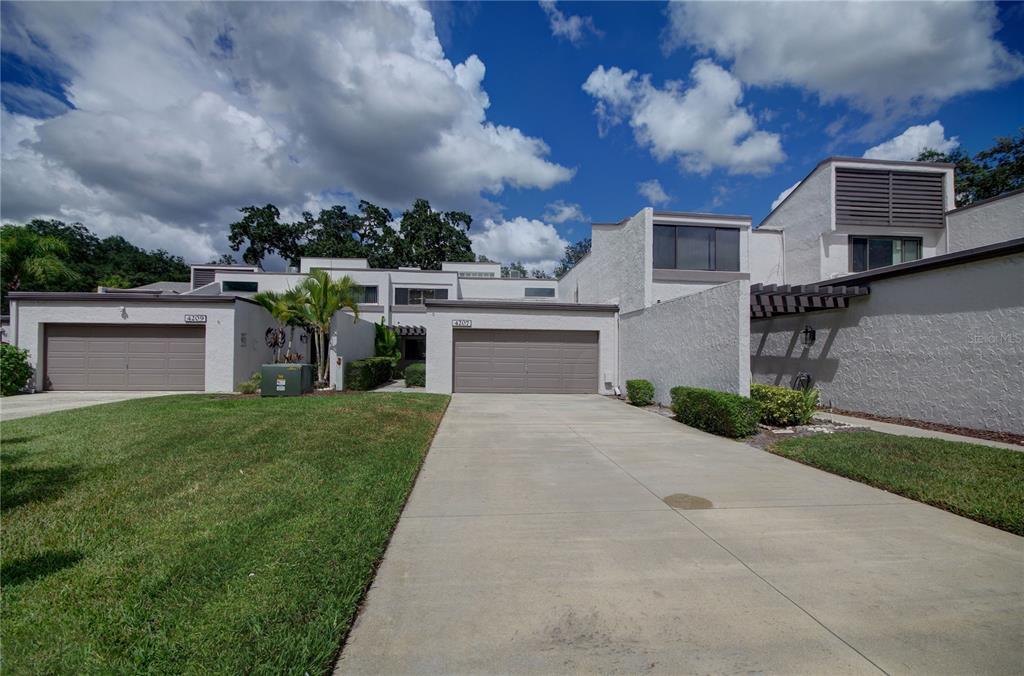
514,268
262,233
28,258
430,237
574,253
989,173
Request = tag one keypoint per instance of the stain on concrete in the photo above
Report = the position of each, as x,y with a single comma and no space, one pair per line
684,501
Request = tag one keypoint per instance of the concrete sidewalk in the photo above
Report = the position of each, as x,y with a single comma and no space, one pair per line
907,431
25,405
539,539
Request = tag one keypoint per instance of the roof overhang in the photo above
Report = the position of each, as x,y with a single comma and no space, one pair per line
405,330
520,306
133,297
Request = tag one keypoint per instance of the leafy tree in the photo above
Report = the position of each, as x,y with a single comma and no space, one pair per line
430,237
574,253
115,282
262,233
989,173
224,259
28,259
537,273
322,298
386,343
513,267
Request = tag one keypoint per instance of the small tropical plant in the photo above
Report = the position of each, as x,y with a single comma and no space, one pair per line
30,258
324,297
15,369
386,344
252,385
287,309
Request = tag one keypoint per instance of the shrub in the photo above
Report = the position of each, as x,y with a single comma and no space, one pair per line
366,374
416,375
722,413
782,406
15,369
252,385
640,392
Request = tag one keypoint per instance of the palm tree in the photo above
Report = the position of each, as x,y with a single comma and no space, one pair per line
30,258
286,308
273,302
325,297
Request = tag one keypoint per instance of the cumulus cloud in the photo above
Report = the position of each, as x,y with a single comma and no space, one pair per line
561,211
909,144
653,192
703,126
536,243
882,57
784,194
183,113
573,28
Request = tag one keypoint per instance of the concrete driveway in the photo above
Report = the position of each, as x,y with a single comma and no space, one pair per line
538,540
24,405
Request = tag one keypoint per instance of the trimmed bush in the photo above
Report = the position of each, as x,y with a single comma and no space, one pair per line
783,407
722,413
252,385
366,374
15,369
640,392
416,375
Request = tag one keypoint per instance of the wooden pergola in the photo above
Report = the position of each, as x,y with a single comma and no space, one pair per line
771,300
406,330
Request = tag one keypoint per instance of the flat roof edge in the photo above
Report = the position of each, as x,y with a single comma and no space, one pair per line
123,297
522,305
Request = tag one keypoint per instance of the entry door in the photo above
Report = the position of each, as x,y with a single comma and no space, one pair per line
125,357
543,362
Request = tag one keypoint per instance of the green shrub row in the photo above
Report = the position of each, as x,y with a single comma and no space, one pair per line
416,375
366,374
15,369
722,413
783,407
640,392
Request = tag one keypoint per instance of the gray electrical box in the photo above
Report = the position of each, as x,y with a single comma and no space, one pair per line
286,380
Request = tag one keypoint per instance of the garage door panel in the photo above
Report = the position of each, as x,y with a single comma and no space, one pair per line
128,357
525,361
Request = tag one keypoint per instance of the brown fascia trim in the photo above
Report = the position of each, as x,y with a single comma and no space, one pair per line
987,200
860,160
697,215
521,305
980,253
86,296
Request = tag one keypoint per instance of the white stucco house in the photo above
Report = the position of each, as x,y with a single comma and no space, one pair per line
676,298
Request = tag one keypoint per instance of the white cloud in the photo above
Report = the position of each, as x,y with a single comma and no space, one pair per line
653,192
909,144
561,211
882,57
573,27
535,243
784,194
703,126
184,113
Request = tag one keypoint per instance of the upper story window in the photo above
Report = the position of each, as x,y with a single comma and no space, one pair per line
539,292
366,295
868,253
687,247
490,275
890,198
408,296
240,286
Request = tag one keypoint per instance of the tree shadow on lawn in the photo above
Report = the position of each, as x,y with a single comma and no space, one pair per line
28,568
25,485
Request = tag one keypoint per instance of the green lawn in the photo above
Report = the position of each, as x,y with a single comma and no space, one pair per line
982,483
199,533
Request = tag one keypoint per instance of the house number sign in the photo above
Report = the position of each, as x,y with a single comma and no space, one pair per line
462,323
195,319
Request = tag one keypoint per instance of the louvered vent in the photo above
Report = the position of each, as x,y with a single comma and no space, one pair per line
202,276
889,198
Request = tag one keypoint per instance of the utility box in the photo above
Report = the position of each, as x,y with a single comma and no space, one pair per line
286,380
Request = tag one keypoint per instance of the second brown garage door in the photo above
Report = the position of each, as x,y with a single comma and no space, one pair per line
544,362
99,357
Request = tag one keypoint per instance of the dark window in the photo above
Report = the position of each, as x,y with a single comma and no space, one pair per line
687,247
539,292
407,296
415,349
868,253
366,294
248,287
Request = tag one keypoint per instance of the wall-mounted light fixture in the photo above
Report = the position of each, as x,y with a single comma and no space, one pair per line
808,336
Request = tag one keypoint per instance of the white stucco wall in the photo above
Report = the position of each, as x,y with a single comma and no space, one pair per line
509,289
308,263
220,328
996,221
351,339
766,257
806,217
615,271
700,340
943,345
438,323
250,345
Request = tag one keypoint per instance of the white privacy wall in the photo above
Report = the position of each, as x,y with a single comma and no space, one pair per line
351,340
991,222
943,345
250,344
700,340
616,269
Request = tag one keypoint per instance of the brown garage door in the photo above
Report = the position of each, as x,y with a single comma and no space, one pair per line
95,357
556,362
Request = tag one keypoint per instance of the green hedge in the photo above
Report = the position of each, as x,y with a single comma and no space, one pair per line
783,407
722,413
640,392
15,369
416,375
366,374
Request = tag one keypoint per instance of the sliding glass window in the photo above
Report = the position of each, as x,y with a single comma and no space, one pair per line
868,253
685,247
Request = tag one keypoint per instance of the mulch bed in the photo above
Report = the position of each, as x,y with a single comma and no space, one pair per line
1005,437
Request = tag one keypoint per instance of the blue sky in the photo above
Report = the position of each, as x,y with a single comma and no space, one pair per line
157,121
